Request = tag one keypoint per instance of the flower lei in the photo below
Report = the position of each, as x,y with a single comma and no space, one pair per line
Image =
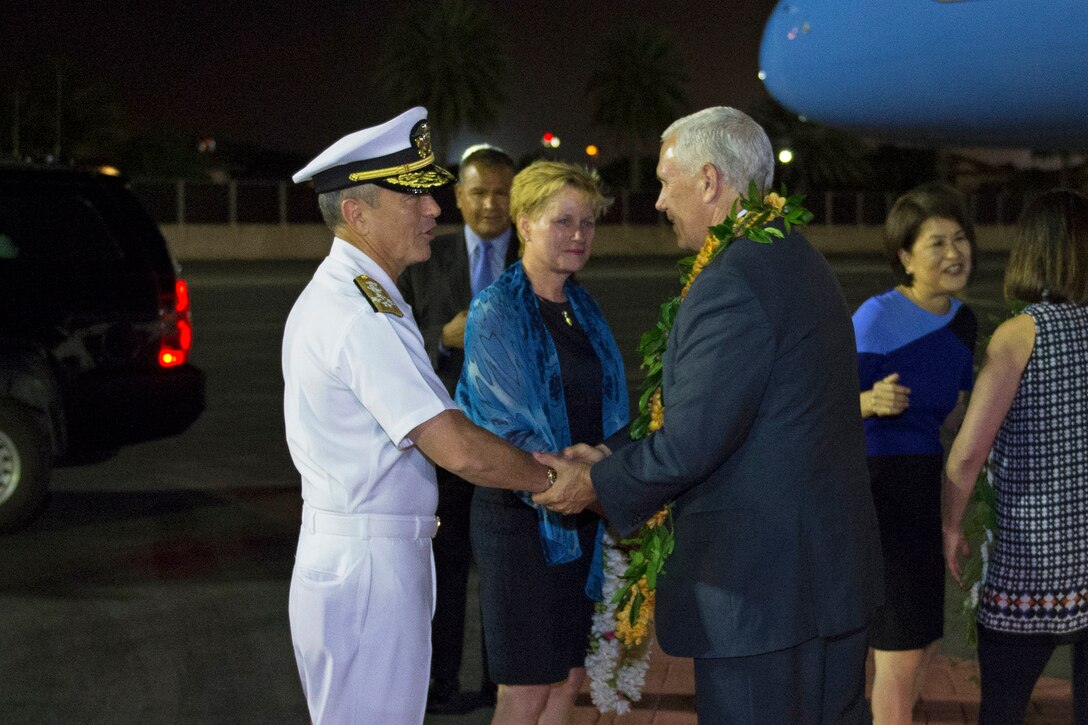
978,528
616,669
619,649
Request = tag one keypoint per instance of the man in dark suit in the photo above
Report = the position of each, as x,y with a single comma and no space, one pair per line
776,568
439,291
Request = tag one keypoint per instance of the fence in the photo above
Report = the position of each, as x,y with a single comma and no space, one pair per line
281,202
235,202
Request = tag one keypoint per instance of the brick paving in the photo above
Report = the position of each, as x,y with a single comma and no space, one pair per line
950,695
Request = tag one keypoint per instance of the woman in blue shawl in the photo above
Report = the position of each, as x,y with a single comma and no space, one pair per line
543,371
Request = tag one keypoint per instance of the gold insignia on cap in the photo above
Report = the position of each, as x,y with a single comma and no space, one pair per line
420,179
421,137
376,295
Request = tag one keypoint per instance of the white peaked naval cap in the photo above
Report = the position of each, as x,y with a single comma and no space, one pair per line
396,155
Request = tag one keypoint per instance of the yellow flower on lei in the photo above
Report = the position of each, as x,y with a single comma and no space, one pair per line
630,632
776,202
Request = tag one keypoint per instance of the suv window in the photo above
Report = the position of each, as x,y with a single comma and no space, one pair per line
60,231
59,256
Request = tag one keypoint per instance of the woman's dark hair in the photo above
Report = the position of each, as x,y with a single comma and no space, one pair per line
912,210
1049,258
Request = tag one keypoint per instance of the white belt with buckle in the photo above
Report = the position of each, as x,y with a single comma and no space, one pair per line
368,526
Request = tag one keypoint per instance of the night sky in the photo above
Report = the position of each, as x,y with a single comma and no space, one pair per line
295,76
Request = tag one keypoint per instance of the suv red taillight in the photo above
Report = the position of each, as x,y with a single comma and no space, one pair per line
177,321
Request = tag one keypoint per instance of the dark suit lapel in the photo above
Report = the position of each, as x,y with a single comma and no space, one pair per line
460,282
511,249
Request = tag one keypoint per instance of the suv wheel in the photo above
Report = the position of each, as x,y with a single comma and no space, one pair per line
24,466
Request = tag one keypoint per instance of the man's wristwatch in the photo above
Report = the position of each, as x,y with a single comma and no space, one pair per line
552,477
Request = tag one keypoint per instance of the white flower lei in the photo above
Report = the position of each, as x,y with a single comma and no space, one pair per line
616,672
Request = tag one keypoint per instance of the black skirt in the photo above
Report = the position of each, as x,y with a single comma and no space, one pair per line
536,617
907,494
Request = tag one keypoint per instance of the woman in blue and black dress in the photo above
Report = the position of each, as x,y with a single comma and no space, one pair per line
542,370
915,357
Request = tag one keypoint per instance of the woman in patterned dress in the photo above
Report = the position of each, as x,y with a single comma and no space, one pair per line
1029,416
915,363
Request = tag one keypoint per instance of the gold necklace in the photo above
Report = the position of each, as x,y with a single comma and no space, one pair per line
562,311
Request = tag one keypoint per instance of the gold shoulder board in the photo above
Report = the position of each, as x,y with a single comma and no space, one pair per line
376,295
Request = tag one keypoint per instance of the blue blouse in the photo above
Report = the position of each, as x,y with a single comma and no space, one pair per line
511,383
934,356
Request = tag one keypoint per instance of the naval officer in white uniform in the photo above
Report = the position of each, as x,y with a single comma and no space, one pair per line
366,420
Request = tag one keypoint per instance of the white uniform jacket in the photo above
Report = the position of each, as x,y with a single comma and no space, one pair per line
356,382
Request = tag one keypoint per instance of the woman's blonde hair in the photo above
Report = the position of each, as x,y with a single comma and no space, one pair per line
536,184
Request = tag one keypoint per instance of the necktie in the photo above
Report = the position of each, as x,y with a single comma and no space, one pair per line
481,269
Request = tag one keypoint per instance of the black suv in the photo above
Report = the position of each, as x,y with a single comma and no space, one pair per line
95,329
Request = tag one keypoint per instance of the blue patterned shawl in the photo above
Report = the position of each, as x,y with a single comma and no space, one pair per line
511,383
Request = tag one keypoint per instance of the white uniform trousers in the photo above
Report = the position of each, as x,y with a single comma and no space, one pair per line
361,602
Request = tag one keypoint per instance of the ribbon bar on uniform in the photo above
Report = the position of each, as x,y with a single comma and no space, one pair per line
368,526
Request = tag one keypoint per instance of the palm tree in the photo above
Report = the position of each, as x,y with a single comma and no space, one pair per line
53,113
638,90
448,59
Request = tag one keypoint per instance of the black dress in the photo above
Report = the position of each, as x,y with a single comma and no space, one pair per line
537,617
907,495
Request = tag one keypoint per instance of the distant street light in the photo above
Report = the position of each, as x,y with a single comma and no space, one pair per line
592,150
785,156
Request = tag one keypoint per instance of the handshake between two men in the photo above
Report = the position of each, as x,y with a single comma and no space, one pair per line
573,488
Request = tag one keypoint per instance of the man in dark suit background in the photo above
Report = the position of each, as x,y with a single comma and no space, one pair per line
439,291
776,567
